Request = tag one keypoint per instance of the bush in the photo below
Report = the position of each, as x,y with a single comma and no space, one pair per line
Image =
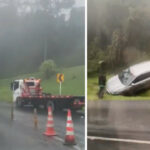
48,68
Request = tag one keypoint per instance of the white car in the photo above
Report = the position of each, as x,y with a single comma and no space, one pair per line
131,80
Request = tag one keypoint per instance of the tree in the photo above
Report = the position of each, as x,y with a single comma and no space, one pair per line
121,30
116,48
48,68
95,54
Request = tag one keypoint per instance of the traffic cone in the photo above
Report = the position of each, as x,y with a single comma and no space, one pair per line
70,138
50,124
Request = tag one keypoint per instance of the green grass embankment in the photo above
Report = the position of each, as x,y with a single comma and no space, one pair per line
93,90
74,83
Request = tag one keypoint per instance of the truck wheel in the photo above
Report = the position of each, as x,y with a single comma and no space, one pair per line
19,102
51,104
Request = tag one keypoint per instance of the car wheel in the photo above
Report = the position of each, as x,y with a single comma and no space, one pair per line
19,102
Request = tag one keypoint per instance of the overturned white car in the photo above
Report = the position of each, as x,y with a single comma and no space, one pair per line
131,80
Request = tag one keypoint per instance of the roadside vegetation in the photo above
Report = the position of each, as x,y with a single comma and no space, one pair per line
119,36
37,37
73,83
47,69
93,90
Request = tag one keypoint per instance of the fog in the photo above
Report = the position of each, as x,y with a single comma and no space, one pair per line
32,31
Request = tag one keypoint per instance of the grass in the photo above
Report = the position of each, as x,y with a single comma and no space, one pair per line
93,89
73,85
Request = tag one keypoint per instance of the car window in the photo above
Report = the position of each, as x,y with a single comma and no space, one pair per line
16,85
126,77
142,77
30,83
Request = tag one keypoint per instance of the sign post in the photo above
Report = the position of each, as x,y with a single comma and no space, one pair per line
60,79
60,88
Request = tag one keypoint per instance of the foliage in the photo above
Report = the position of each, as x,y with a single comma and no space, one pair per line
118,33
94,55
48,68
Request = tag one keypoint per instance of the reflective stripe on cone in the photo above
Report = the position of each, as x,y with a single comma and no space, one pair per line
69,138
50,124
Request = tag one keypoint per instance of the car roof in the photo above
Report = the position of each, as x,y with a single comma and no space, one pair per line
140,68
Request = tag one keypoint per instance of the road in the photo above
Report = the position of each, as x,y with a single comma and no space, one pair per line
20,133
119,125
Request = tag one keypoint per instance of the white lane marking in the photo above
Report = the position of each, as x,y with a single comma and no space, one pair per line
61,140
82,117
119,140
77,148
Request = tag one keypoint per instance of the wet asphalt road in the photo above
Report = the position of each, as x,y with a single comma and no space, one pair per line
20,133
125,120
105,145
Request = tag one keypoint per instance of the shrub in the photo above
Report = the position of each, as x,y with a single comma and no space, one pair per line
48,68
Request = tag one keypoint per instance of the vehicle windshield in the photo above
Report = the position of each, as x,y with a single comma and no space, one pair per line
30,83
126,77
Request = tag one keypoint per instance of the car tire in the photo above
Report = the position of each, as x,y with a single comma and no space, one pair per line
19,103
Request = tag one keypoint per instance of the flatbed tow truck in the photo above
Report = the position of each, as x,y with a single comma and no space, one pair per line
29,91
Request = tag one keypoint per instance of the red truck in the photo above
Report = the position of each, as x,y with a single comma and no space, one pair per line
29,91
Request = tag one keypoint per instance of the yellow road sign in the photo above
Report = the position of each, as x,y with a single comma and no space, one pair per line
60,77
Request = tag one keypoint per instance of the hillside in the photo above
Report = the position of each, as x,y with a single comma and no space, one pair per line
73,84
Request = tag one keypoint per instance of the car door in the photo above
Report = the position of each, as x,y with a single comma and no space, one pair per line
16,90
141,82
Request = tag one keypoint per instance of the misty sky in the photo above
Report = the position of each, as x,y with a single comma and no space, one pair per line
35,28
79,3
66,12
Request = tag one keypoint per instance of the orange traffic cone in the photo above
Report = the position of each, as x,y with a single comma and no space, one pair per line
70,138
50,124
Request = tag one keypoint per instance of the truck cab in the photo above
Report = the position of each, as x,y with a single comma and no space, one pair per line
26,87
15,87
